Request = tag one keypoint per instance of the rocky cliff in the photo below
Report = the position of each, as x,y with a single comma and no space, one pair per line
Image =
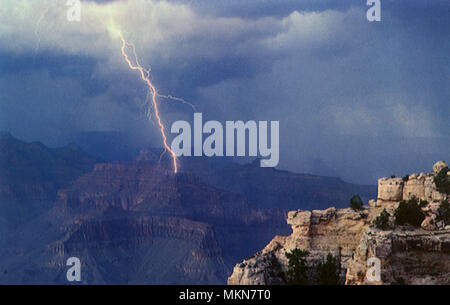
137,222
408,255
125,218
30,176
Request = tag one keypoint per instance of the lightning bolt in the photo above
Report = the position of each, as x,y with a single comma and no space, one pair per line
179,99
145,76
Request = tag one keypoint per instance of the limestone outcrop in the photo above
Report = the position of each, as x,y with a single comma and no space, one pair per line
411,257
408,255
320,232
420,185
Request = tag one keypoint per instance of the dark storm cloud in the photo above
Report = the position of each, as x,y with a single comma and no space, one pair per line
337,83
57,65
261,8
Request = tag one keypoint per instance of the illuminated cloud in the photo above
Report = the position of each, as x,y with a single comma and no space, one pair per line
319,68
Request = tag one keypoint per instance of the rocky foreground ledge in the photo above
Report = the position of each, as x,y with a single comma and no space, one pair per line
408,255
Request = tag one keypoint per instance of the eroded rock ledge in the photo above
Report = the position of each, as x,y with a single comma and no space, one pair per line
415,256
408,255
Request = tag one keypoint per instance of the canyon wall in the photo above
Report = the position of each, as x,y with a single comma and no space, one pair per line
408,255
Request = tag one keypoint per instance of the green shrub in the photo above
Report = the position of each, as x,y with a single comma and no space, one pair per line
356,203
405,178
328,272
297,269
409,212
382,220
442,181
444,211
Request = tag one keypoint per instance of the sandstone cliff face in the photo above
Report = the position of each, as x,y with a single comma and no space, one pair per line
390,189
141,207
128,246
415,185
146,187
408,255
335,231
412,257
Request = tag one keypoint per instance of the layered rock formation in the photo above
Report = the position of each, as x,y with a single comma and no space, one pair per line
408,255
415,185
413,257
141,249
335,231
137,222
141,207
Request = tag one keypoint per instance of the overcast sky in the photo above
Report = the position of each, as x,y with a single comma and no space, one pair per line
354,98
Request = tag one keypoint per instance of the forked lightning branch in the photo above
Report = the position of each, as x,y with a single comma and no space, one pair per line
213,145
